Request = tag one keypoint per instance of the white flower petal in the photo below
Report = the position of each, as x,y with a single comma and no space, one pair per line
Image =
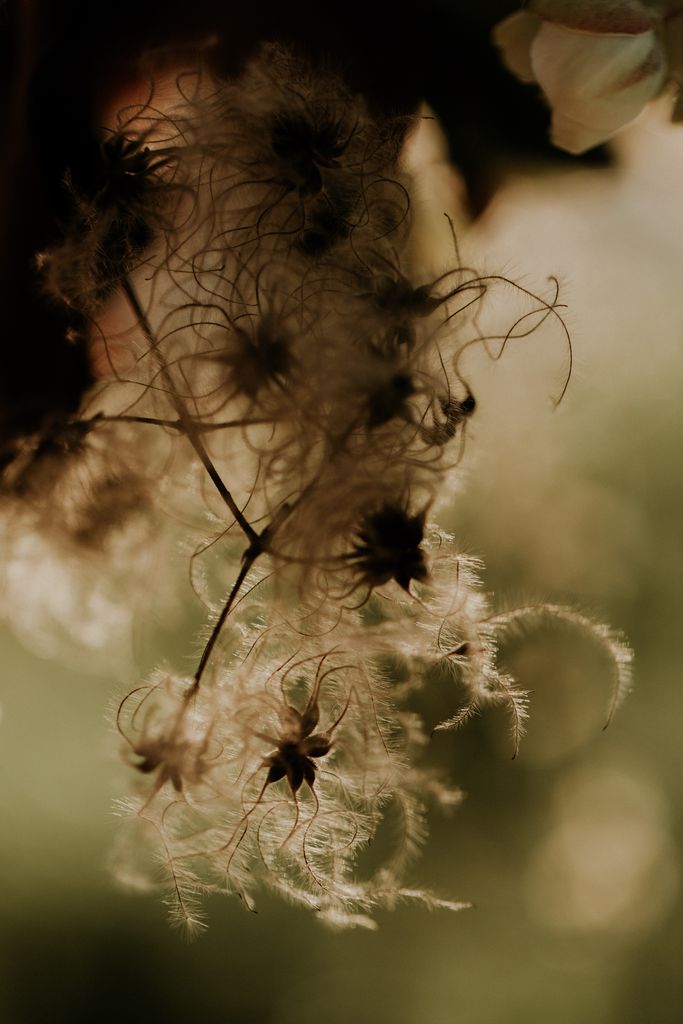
514,36
573,137
597,83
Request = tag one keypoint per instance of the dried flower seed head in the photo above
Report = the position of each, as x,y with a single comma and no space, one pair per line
128,171
128,195
456,412
30,465
396,303
396,295
297,746
257,356
78,484
389,547
306,143
388,397
328,222
165,734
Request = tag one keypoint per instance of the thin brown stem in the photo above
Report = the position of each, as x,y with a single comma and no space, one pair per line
187,424
179,425
249,558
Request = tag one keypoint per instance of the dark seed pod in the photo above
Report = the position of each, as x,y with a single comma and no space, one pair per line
456,412
388,546
328,222
388,401
305,146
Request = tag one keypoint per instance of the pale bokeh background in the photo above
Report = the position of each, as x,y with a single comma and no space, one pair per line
572,853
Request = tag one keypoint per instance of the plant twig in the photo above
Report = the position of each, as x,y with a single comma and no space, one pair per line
187,423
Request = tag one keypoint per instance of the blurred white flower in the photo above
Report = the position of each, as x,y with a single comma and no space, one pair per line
598,62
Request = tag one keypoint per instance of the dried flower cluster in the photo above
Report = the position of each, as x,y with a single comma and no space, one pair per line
289,387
